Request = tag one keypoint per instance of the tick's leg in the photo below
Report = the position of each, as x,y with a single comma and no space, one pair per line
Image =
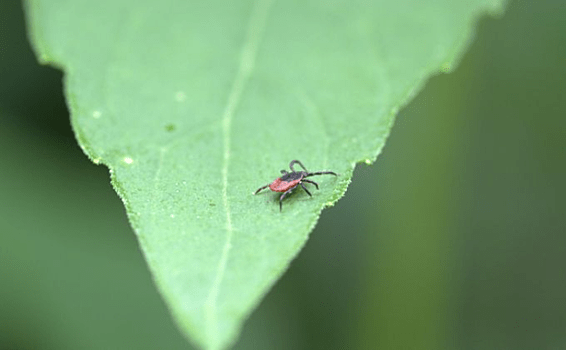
283,172
261,188
322,173
283,196
311,182
304,188
293,162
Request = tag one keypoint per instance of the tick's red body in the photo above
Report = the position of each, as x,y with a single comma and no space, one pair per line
289,181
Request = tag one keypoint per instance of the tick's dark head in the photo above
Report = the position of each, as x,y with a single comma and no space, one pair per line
295,175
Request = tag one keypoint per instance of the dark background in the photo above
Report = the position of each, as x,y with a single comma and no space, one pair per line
454,239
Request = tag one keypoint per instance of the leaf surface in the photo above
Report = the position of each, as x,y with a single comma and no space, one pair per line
194,105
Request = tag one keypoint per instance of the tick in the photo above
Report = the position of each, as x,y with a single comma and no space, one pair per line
290,180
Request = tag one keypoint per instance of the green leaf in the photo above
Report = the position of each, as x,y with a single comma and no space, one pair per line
194,105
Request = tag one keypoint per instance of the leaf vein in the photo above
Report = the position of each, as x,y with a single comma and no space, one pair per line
248,55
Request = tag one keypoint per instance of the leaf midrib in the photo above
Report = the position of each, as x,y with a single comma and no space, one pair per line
255,28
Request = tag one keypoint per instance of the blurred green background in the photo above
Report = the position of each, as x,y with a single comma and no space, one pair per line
454,239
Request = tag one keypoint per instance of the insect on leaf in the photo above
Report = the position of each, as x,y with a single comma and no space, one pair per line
194,105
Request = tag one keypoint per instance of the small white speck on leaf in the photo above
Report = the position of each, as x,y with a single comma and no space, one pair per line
128,160
180,96
96,114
